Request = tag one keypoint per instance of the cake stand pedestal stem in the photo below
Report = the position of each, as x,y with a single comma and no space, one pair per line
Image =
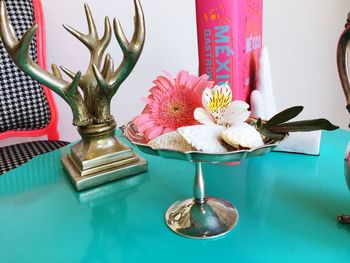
199,185
201,216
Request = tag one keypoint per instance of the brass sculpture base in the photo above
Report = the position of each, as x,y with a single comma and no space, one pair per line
100,158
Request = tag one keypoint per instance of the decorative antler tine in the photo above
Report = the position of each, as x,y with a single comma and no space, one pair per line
138,37
7,31
108,67
110,70
85,39
93,43
98,87
81,37
56,71
91,40
19,52
24,43
9,37
69,73
102,83
131,50
121,38
107,35
72,89
90,20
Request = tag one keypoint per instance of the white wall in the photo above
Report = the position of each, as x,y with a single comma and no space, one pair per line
301,35
170,44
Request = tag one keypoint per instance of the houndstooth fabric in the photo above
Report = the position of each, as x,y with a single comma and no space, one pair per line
23,105
14,155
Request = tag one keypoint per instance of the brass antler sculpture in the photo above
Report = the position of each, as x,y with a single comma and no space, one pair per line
99,152
98,86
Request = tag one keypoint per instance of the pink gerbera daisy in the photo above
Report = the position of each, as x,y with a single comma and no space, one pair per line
171,104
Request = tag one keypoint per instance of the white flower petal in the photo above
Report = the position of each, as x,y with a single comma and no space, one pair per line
236,107
215,88
203,116
226,90
230,109
236,117
239,105
206,96
223,89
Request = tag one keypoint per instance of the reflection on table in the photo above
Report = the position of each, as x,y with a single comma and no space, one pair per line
288,205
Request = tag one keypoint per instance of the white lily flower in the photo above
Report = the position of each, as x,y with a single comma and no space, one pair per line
218,107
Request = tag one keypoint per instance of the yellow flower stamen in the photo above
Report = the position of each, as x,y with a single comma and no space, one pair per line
219,101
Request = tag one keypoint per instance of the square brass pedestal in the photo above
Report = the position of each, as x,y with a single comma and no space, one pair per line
89,170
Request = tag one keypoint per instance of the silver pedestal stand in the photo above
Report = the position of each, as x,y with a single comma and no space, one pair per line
201,216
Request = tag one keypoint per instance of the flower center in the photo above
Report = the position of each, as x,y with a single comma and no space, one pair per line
175,108
219,102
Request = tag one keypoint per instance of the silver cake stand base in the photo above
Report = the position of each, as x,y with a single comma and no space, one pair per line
190,218
201,217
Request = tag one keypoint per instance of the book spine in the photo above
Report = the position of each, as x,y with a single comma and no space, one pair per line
252,36
229,34
215,40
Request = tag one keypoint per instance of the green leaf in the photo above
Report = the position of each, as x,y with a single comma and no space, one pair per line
269,135
302,126
259,123
284,116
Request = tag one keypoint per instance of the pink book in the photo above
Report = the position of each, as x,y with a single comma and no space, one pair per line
229,41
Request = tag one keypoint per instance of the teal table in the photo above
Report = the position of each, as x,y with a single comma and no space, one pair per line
287,204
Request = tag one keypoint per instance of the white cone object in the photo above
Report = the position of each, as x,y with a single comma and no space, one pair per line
263,105
262,100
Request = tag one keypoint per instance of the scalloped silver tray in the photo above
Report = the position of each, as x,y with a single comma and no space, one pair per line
194,156
201,216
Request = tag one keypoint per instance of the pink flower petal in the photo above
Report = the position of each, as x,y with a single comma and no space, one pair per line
146,100
191,81
169,76
166,130
163,83
182,77
147,110
141,119
155,90
145,126
156,93
203,83
154,132
171,103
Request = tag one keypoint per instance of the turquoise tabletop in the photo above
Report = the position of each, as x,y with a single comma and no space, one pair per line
287,206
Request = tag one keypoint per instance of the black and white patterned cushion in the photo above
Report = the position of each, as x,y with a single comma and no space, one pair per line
23,105
14,155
